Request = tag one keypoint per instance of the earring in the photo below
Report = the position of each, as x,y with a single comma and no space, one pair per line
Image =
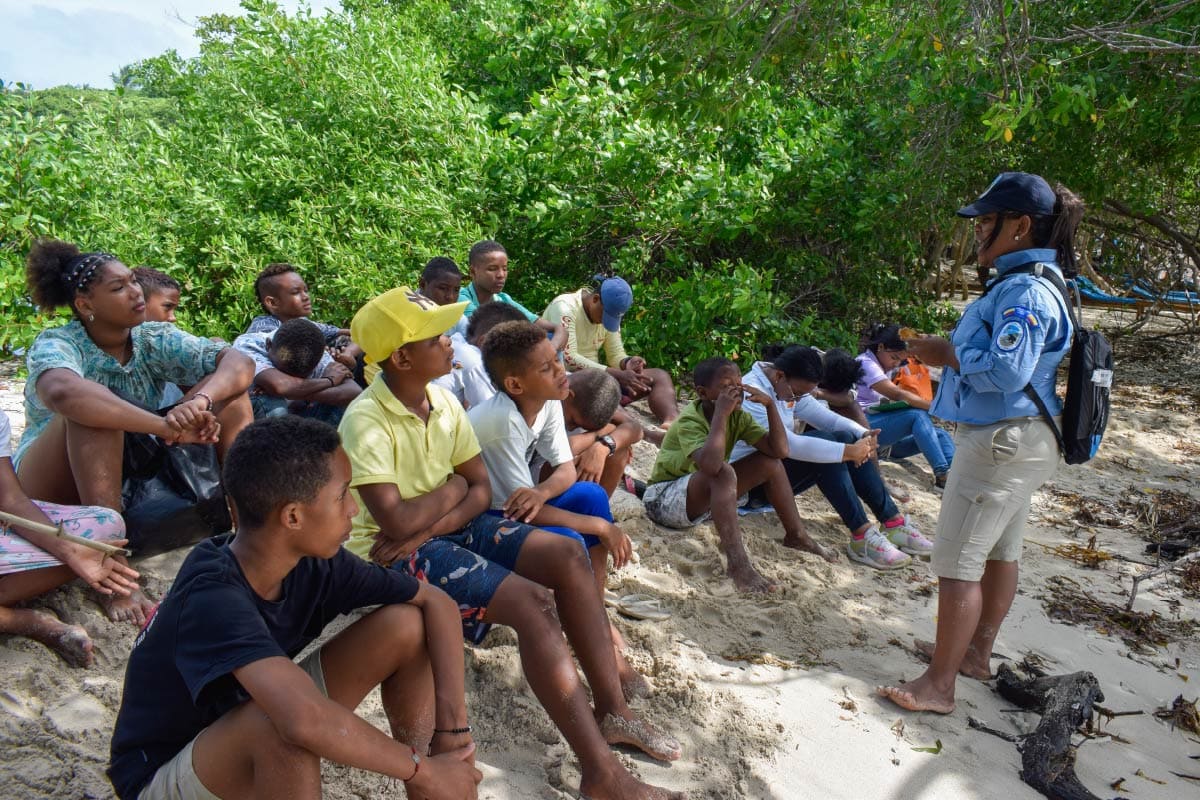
1017,238
91,317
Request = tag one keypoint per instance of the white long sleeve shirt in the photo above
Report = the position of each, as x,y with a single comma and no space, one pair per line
806,409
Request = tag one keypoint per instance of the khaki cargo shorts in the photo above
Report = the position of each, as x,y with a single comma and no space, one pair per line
995,472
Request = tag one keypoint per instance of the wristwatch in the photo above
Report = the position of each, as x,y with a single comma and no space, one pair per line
608,442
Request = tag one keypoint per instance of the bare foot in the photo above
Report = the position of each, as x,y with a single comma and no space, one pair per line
654,436
135,609
747,579
623,786
898,491
970,666
642,735
918,696
805,543
633,685
71,642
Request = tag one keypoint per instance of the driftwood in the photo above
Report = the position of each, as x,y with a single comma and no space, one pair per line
1065,703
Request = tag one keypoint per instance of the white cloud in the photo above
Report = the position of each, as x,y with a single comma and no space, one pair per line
83,42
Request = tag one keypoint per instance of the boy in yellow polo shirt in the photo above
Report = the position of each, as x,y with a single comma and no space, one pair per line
424,491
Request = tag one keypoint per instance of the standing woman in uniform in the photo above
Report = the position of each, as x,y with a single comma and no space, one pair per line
1017,333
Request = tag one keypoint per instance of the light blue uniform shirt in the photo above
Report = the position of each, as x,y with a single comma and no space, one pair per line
1017,334
467,295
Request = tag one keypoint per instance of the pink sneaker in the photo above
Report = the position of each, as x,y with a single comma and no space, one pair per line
907,538
876,551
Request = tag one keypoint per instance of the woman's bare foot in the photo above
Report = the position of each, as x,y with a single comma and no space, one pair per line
918,695
642,735
623,786
747,579
71,642
135,609
805,543
971,666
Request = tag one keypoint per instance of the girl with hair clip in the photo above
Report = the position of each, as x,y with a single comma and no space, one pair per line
92,380
1013,337
905,431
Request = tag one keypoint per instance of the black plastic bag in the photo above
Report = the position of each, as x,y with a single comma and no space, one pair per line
172,495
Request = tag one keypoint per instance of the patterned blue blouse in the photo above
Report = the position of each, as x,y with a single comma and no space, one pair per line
162,354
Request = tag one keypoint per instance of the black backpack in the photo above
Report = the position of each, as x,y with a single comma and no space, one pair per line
1089,378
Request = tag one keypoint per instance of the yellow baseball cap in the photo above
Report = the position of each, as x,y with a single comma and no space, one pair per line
398,317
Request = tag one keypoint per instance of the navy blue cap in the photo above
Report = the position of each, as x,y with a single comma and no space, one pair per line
1014,191
616,297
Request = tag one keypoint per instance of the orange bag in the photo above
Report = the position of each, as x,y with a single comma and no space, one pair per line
914,377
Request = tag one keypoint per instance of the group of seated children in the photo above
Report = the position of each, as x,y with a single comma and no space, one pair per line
477,455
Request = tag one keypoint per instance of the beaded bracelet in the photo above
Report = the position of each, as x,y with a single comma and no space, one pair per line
454,731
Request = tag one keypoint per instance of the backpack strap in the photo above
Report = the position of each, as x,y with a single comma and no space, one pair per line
1052,277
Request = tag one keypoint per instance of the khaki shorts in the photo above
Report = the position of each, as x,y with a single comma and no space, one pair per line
995,472
176,779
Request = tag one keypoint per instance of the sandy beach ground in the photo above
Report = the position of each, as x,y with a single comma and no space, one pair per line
773,697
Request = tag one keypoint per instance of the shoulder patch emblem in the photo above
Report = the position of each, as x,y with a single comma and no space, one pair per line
1021,313
1011,335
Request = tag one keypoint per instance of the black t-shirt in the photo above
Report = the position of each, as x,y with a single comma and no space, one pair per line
179,679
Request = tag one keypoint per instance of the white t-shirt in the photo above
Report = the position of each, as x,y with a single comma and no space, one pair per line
509,445
467,379
5,436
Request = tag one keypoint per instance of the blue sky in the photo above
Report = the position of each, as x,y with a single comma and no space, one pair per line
45,43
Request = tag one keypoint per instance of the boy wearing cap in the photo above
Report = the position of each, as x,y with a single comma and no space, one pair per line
592,317
424,492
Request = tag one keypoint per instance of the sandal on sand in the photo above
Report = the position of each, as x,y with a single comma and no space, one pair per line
642,735
639,606
632,485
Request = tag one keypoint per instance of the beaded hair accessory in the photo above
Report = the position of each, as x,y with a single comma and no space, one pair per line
83,268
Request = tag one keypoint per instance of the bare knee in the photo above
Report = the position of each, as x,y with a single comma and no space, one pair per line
401,625
537,614
724,483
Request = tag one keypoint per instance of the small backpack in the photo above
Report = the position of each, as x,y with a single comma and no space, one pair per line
1089,379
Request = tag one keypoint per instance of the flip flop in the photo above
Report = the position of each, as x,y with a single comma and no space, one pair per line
641,606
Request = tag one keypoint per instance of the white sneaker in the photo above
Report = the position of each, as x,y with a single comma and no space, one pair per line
907,538
876,551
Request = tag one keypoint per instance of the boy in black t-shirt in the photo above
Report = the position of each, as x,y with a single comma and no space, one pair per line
214,705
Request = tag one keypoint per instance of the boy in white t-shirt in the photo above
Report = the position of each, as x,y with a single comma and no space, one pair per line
525,418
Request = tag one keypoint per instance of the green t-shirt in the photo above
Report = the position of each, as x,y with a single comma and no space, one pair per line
688,434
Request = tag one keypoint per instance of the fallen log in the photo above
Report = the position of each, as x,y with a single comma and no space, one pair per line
1065,703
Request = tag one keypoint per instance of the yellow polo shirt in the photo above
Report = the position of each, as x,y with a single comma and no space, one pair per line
387,443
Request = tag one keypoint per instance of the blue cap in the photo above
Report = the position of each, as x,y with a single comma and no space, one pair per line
617,297
1014,191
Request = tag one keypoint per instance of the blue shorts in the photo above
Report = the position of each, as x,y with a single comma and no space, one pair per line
586,499
470,565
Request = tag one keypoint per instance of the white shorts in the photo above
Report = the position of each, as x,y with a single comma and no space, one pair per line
666,504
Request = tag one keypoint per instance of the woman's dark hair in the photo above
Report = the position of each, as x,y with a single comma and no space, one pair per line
57,271
800,363
881,334
841,371
481,249
1055,231
275,461
771,352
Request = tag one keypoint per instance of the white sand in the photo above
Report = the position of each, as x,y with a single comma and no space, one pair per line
771,697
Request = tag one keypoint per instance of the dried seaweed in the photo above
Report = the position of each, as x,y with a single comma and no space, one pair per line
1067,601
1181,714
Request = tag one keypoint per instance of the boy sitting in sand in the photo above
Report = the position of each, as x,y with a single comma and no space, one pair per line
161,293
425,491
32,563
602,436
487,262
283,294
293,371
693,481
215,706
592,317
525,419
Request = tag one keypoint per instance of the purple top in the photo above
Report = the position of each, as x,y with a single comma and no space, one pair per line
872,374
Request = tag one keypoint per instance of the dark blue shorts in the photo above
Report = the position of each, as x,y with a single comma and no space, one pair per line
470,565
